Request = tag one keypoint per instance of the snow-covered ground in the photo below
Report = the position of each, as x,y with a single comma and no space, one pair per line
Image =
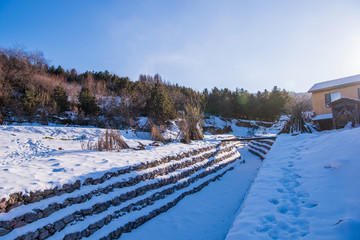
240,127
37,157
206,215
307,188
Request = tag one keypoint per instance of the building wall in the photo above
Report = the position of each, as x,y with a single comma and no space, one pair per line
318,98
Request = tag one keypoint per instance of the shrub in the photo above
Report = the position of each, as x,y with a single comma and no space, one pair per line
156,134
109,141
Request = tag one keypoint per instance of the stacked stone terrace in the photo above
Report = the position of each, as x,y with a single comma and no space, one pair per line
260,147
116,203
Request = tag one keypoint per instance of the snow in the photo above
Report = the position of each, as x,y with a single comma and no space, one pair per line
206,215
335,83
322,117
37,157
307,188
242,131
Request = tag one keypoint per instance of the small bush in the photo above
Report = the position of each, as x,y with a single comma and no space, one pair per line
109,141
156,134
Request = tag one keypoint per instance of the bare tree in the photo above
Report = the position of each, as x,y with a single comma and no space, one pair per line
297,118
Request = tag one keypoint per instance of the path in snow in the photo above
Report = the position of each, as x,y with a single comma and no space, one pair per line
307,188
207,214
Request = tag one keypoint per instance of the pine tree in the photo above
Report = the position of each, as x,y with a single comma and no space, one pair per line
60,97
30,102
160,106
87,102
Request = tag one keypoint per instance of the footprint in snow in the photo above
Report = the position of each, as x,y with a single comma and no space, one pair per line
311,204
55,164
283,209
302,194
59,170
270,218
274,201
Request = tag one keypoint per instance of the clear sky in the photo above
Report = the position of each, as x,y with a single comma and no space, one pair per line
251,44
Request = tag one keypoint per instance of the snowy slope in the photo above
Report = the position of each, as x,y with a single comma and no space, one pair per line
206,215
30,161
307,188
240,127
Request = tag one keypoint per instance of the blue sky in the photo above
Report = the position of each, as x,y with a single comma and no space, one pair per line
251,44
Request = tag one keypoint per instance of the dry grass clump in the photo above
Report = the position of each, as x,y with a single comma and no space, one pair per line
109,141
156,133
190,124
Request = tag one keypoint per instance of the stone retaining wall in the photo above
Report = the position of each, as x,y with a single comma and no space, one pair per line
18,199
201,163
260,147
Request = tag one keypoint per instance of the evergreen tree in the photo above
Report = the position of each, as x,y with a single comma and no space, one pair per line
160,106
30,102
59,71
60,97
87,102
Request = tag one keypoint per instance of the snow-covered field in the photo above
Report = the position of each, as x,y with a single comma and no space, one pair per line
30,160
307,188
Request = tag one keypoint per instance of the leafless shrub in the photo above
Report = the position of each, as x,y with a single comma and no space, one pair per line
46,82
296,113
156,133
109,141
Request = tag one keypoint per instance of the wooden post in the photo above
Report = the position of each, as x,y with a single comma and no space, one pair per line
346,113
333,117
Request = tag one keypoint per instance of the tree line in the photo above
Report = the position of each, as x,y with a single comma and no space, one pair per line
30,88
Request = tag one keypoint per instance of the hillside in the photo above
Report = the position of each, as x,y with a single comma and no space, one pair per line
33,91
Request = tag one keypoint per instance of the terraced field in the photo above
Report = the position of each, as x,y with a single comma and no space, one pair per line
119,201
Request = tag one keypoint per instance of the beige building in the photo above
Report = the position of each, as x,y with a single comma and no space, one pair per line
324,93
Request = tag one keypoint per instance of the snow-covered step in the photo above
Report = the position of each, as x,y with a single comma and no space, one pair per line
71,213
96,222
239,144
122,225
115,182
260,147
18,199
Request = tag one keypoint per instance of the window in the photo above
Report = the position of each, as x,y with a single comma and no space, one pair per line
330,97
359,93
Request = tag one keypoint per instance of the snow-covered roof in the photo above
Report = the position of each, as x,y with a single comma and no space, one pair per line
322,116
344,99
335,83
